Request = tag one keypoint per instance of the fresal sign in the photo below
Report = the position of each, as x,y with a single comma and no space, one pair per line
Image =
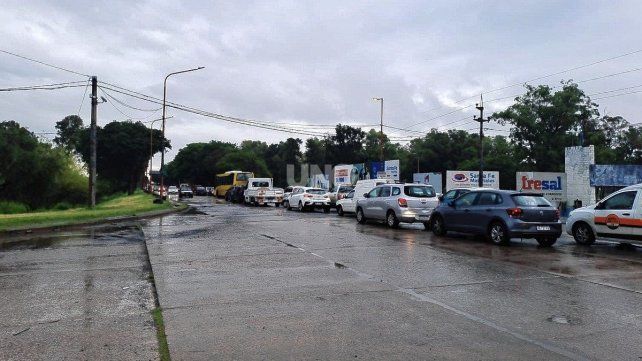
551,185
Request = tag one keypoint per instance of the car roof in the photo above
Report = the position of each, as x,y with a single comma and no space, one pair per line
632,187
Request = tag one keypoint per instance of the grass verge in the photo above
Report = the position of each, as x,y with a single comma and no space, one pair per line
123,205
163,347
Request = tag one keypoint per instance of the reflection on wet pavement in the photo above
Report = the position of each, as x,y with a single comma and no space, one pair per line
78,295
282,284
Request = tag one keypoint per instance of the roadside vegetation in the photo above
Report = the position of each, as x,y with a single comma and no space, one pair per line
116,205
543,121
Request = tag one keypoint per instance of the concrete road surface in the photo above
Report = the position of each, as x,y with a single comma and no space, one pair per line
264,283
77,296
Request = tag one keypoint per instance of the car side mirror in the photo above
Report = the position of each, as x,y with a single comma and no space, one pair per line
441,198
451,204
366,195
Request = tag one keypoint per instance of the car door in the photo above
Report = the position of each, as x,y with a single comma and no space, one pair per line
487,206
348,203
369,203
382,202
616,216
459,218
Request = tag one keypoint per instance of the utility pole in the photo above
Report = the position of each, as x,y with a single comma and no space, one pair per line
92,142
481,120
381,130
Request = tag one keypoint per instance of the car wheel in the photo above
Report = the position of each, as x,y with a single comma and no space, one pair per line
583,234
391,220
498,234
326,209
546,241
361,218
438,226
340,211
301,207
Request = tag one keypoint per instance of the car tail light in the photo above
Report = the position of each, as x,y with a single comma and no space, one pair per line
339,196
514,212
557,214
402,202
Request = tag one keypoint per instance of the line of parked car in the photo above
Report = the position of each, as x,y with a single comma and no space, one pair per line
497,215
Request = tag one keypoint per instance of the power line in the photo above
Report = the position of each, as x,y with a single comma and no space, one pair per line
45,86
43,63
127,105
83,96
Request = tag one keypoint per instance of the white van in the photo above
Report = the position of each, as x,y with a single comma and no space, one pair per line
366,185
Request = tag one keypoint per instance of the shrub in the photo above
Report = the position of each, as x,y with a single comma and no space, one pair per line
10,207
62,206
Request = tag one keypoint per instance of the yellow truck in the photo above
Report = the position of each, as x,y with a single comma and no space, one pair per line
229,179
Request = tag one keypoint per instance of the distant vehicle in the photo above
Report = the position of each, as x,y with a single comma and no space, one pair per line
346,204
185,191
366,185
210,191
500,216
304,198
395,203
339,192
235,194
260,191
286,193
617,217
200,191
229,179
172,190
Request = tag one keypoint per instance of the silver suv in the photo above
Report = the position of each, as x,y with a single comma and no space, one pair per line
394,203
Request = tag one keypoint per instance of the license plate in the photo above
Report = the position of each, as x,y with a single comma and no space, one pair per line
423,218
543,228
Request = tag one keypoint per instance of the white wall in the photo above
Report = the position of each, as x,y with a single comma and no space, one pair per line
577,161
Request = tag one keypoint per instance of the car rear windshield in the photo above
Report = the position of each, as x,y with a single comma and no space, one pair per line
345,189
260,184
315,191
530,200
419,191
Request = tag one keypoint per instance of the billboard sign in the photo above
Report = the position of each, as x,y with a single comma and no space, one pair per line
551,185
434,179
470,179
391,167
342,174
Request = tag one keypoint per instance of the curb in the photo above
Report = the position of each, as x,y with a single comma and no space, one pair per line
72,226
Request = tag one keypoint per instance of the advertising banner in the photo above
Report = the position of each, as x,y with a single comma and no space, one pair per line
359,172
342,174
376,168
392,169
434,179
551,185
470,179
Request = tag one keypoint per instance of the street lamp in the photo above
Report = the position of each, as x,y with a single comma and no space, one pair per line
163,129
381,130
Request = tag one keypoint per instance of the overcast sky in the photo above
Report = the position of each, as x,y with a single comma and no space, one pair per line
310,62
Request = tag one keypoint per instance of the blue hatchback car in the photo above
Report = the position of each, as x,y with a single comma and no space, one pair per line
500,216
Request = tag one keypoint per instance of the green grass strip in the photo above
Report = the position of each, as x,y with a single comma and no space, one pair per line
163,347
123,205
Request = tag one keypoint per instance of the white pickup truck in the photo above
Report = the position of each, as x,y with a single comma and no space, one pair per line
260,191
617,217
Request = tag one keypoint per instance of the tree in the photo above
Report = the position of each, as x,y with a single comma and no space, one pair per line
33,172
315,151
123,153
544,123
244,160
346,145
196,163
69,130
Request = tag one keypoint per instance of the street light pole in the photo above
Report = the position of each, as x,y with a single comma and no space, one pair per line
163,129
151,151
381,130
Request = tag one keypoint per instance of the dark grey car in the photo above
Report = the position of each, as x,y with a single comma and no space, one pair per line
500,216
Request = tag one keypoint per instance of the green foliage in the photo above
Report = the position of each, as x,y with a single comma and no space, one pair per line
33,172
123,152
11,207
244,160
545,122
68,129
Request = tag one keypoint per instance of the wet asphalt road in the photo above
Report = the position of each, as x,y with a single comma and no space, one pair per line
83,295
264,283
